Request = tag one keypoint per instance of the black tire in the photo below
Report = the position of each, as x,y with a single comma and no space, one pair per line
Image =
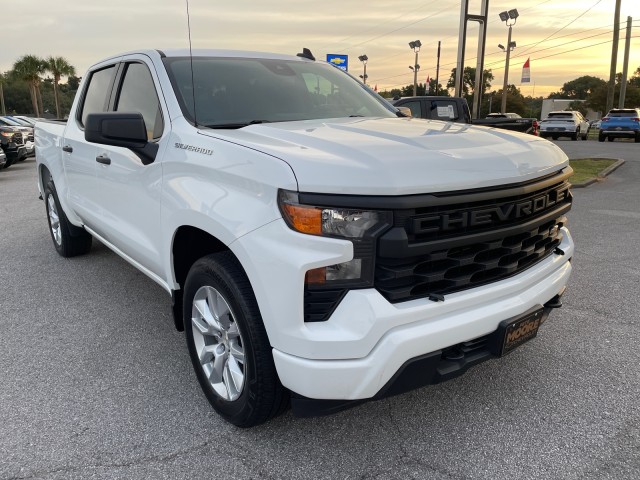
637,138
261,395
601,137
586,135
575,136
610,138
554,137
68,240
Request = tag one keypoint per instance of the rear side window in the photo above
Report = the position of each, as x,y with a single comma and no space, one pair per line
138,94
415,107
97,93
444,110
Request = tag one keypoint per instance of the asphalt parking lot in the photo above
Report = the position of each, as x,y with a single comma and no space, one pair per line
96,383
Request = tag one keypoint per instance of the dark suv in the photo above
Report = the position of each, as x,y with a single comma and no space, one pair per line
12,143
620,123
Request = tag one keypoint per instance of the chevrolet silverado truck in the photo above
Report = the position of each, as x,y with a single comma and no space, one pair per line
320,248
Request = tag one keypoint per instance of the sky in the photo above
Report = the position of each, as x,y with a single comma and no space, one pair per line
564,39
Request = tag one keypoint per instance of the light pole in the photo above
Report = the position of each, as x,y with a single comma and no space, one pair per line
506,17
415,46
364,59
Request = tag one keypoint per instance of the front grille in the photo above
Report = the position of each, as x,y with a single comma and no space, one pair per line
474,240
454,269
18,139
30,137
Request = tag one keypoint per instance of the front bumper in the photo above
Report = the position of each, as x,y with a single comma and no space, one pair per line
355,353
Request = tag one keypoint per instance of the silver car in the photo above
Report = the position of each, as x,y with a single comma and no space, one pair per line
569,123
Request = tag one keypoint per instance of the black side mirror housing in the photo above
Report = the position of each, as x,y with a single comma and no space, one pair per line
121,129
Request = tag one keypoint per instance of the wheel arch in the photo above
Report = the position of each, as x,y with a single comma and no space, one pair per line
189,244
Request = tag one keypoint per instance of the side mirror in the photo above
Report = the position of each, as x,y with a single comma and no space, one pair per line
406,111
119,129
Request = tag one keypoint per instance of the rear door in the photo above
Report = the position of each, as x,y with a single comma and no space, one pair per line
128,190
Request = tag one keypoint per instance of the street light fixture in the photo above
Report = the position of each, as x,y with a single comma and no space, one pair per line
415,46
509,18
364,59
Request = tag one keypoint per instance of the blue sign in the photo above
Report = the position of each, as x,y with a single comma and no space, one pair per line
340,61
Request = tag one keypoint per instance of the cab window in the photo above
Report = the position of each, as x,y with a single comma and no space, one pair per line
97,92
138,94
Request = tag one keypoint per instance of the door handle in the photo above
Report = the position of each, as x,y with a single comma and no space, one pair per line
67,148
103,159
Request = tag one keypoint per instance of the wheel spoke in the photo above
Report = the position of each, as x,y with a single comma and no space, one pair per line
213,327
233,380
217,370
219,308
236,373
236,352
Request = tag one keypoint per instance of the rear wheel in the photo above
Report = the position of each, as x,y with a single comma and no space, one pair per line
554,137
575,136
68,239
228,343
601,137
610,138
637,138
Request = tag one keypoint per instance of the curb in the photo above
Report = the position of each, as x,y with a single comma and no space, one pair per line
605,173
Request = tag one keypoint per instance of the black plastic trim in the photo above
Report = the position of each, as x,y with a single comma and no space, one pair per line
400,248
402,202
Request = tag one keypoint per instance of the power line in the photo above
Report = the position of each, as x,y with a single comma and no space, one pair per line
383,23
572,21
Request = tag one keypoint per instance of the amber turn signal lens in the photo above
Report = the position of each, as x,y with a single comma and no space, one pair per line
317,276
304,219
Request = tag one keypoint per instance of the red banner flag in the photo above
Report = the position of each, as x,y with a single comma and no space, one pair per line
526,72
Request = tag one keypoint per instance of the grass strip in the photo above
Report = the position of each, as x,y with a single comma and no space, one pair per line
587,168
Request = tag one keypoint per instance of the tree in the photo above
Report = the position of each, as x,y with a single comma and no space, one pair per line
29,68
469,82
58,66
580,88
516,103
2,82
597,100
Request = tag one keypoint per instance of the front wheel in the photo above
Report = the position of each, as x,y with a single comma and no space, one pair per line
228,343
68,239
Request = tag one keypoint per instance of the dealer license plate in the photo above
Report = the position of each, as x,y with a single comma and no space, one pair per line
519,331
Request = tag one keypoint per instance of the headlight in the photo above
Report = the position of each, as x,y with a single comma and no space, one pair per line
359,226
6,134
328,221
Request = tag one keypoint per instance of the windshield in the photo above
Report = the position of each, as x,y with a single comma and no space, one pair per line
21,122
235,92
10,121
623,113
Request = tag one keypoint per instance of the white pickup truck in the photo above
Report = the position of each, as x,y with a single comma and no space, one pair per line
319,247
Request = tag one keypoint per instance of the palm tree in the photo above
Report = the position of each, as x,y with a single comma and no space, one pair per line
29,68
2,82
58,66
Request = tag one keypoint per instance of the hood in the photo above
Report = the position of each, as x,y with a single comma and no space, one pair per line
399,156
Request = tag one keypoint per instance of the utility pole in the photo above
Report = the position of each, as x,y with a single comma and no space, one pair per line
438,69
614,57
625,68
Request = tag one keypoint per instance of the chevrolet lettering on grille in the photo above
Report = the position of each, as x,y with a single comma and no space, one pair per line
494,215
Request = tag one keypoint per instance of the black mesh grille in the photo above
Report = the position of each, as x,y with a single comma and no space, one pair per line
440,249
454,269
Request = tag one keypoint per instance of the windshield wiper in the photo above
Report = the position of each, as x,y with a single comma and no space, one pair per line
237,125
